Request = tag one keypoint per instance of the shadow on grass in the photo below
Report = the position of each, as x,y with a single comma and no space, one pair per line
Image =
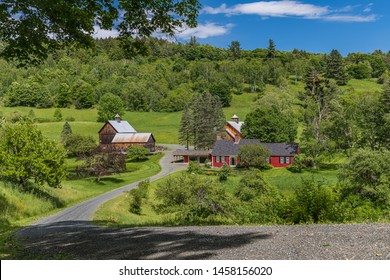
84,240
42,194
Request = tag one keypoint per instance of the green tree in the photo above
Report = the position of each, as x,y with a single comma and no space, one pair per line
109,106
186,129
193,199
235,50
335,68
66,131
26,155
57,115
137,153
312,202
79,146
259,202
33,29
270,125
253,155
367,175
222,90
83,94
202,121
271,50
317,98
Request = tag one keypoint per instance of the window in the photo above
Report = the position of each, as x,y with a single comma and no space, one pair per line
281,160
217,159
222,159
288,160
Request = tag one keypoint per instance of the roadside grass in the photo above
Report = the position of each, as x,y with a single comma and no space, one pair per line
116,211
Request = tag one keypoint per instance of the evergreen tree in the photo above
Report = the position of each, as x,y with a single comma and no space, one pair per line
271,50
235,50
202,121
66,131
186,127
335,68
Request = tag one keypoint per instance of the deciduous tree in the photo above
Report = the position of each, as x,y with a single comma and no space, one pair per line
26,156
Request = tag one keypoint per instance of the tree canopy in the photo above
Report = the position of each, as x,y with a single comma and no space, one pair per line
31,29
269,125
26,155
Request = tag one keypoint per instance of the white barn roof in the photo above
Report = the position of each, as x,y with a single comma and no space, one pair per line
122,127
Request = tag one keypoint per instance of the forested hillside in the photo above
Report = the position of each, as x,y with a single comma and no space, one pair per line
170,73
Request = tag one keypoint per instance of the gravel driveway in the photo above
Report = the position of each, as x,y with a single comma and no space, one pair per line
82,240
70,233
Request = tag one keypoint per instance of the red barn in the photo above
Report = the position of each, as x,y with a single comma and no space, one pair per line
226,151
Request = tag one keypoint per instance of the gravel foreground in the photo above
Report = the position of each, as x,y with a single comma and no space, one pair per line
84,240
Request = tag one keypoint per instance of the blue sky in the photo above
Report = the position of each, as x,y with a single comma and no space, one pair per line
314,26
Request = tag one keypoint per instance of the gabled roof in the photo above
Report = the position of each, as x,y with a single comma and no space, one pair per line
132,137
236,126
182,152
229,148
122,127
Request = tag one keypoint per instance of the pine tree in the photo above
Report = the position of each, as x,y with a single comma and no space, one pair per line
335,68
202,121
235,50
271,50
186,127
66,131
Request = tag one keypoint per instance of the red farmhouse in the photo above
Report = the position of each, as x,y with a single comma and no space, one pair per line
226,151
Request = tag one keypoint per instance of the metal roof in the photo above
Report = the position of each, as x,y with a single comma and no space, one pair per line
182,152
236,126
132,137
122,127
229,148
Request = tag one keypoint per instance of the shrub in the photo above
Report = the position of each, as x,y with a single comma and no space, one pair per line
224,173
312,202
297,166
194,168
137,153
193,199
137,195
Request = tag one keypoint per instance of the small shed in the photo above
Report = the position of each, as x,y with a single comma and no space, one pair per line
191,155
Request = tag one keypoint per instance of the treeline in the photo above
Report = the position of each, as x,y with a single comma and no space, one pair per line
169,74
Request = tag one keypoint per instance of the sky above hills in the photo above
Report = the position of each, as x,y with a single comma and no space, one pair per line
314,26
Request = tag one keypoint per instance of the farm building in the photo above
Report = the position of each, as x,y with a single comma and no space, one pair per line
233,128
120,135
226,151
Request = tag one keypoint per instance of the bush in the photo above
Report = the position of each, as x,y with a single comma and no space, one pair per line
79,146
193,199
297,166
260,203
313,202
194,168
137,153
137,195
224,173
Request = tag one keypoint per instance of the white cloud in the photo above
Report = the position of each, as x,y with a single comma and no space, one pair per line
203,31
292,8
102,33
